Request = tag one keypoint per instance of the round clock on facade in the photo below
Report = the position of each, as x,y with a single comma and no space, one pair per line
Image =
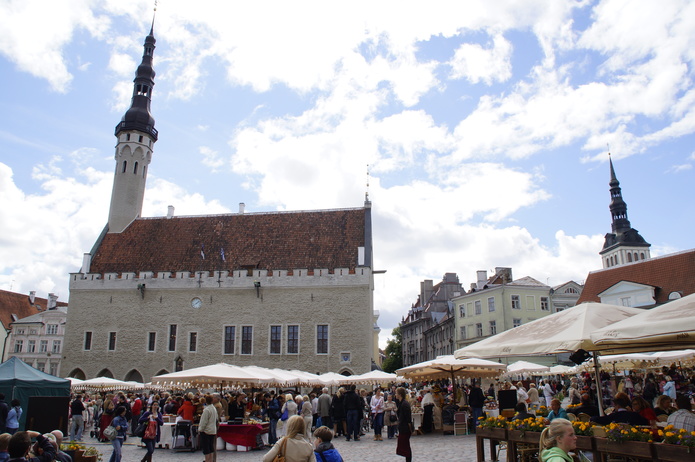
196,302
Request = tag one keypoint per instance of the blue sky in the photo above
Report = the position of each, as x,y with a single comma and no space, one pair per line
485,126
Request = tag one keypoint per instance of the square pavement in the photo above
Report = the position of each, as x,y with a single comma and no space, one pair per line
432,447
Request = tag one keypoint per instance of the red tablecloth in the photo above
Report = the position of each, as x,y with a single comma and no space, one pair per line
242,435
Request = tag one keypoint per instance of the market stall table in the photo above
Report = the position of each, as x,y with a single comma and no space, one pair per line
248,435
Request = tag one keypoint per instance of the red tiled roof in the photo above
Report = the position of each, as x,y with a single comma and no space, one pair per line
668,274
272,241
20,305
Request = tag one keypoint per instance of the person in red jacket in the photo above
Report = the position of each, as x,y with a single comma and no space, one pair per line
187,409
135,411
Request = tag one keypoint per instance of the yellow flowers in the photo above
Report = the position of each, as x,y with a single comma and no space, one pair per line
582,428
624,432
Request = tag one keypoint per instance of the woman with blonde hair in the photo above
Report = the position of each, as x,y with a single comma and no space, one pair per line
291,407
294,447
308,416
557,440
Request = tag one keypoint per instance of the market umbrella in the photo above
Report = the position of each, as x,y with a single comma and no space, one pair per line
563,332
670,326
330,378
666,358
560,369
216,375
449,367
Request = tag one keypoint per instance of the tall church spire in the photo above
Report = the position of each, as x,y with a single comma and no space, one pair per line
136,137
624,244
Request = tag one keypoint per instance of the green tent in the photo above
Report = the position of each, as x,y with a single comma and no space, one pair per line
21,381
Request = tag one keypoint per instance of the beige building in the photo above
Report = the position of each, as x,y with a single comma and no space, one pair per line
500,303
292,290
38,339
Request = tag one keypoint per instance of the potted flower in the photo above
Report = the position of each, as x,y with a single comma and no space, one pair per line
526,430
617,435
677,445
73,449
91,455
542,411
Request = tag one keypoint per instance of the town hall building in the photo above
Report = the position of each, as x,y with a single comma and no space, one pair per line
291,290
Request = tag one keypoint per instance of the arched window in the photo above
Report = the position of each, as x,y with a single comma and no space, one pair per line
629,257
135,168
125,165
105,373
144,171
134,376
77,374
642,256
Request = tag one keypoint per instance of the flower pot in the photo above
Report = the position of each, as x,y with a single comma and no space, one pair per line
585,443
673,452
492,433
639,449
524,437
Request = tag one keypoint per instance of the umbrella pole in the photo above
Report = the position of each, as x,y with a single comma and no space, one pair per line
599,391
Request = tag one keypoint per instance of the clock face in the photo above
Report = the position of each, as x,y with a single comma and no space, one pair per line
196,302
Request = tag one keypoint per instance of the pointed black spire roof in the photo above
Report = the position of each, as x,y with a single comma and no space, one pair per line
623,232
138,116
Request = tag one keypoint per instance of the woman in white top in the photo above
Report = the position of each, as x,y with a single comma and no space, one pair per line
294,446
377,408
291,407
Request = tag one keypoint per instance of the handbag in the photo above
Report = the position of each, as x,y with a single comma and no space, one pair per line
284,415
140,429
280,456
110,432
393,417
151,432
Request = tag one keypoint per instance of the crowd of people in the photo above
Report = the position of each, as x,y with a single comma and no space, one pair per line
303,426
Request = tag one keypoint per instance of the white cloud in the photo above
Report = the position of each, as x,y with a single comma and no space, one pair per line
680,168
488,64
211,158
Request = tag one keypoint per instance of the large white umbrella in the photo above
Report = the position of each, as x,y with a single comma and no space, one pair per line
670,326
560,370
216,375
563,332
330,378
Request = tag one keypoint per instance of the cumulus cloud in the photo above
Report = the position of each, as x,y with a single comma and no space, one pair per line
488,64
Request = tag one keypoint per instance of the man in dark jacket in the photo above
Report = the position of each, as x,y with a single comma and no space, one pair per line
586,407
353,410
4,410
476,400
273,412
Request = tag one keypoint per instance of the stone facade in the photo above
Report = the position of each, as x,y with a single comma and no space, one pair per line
38,339
343,302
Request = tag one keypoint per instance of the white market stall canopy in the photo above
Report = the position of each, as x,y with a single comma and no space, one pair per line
526,367
563,332
105,384
216,375
372,378
670,326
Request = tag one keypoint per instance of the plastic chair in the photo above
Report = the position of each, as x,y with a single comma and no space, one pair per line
461,423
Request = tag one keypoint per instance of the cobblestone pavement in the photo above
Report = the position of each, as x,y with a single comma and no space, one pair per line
433,447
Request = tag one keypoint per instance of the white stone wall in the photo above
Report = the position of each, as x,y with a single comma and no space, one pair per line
113,303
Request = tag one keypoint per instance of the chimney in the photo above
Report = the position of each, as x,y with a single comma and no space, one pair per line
32,296
474,286
482,278
504,273
241,207
86,262
52,301
170,211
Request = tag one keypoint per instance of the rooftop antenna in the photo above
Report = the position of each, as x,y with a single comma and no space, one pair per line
366,194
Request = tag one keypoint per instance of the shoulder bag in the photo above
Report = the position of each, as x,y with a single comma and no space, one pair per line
140,429
285,415
110,432
280,456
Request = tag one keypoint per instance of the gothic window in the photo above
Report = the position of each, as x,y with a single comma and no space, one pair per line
642,256
135,168
629,257
125,165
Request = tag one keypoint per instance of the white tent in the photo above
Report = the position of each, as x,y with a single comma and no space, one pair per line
526,367
105,384
216,375
670,326
371,378
560,370
330,378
